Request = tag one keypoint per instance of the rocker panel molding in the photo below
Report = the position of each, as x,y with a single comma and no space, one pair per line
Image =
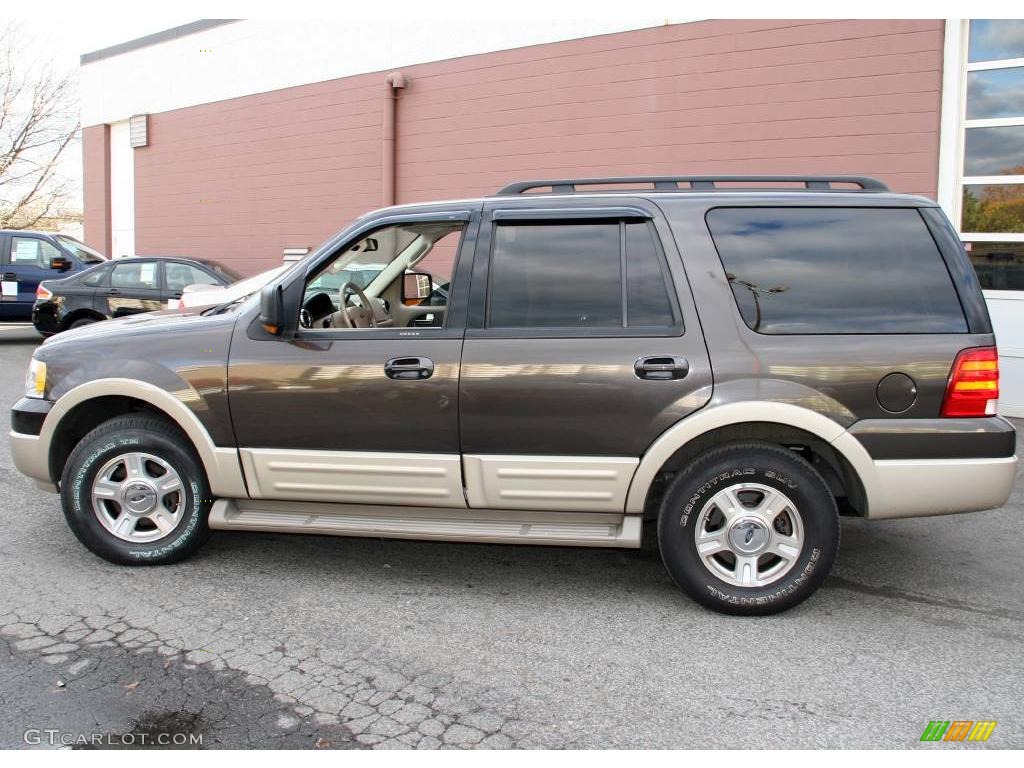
564,483
354,477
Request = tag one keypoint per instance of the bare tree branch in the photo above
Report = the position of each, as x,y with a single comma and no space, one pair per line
38,121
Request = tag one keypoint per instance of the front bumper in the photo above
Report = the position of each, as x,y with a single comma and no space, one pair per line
27,449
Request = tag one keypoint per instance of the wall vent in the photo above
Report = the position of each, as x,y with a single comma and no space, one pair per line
138,126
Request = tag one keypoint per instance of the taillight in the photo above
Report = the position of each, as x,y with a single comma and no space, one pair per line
42,293
973,384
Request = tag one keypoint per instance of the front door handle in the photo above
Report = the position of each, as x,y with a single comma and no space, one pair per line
661,368
113,292
409,368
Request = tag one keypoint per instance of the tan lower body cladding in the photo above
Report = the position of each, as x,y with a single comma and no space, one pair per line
541,483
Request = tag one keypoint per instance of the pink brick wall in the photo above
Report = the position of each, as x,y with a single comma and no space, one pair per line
96,189
242,179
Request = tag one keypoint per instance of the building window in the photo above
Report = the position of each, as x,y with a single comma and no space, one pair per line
991,175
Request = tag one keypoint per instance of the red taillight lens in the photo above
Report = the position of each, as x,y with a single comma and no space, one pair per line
42,293
974,383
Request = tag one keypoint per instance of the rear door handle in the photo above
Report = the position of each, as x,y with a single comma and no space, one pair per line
409,368
661,368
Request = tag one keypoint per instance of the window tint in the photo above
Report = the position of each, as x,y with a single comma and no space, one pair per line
137,274
835,270
570,275
95,277
33,252
556,276
647,301
180,275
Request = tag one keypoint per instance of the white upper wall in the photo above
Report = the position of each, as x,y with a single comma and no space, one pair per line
258,55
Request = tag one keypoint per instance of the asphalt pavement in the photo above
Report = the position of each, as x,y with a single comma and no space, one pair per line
319,642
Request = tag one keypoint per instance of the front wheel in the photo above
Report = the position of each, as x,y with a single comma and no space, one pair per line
135,493
749,529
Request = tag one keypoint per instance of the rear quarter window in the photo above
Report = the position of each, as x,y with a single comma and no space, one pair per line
835,271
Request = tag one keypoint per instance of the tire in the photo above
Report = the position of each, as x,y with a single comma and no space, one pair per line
768,529
81,321
167,524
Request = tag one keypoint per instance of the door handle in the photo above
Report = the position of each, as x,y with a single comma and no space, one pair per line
10,276
661,368
113,292
409,368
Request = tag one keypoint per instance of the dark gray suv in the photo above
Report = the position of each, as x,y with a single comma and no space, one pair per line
736,361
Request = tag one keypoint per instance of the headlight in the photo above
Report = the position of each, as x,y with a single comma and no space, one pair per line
35,379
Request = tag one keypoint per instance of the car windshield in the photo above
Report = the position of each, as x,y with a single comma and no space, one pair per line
81,251
220,269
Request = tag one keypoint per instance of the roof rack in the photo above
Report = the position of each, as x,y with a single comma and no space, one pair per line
671,183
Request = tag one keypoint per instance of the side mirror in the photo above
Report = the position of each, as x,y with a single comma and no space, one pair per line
272,309
60,264
416,286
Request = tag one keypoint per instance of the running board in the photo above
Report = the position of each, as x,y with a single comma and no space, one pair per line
502,526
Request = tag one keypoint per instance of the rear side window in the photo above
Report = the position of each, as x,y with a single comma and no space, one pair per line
835,270
586,275
95,277
136,274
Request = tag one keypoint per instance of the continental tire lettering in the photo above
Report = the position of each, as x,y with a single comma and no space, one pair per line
778,594
696,497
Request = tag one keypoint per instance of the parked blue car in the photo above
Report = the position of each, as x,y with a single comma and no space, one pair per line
27,257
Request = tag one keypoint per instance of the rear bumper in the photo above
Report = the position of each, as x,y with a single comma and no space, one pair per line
924,487
921,467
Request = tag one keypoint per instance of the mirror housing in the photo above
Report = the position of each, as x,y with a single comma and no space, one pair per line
416,286
60,264
272,309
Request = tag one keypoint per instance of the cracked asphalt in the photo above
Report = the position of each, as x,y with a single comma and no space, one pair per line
316,642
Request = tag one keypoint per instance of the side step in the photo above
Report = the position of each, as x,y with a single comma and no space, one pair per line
580,529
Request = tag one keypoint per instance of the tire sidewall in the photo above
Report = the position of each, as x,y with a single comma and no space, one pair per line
76,492
694,489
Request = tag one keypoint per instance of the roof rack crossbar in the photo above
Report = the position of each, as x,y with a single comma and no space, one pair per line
671,183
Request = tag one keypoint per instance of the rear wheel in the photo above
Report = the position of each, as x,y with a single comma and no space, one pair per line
749,529
135,493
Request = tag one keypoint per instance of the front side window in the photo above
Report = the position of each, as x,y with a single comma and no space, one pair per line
180,275
135,275
578,275
33,252
835,271
374,268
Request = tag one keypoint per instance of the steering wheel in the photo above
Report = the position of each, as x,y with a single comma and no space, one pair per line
365,315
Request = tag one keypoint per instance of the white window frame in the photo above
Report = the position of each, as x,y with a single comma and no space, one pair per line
957,42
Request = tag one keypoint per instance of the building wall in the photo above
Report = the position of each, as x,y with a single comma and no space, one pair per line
241,179
96,187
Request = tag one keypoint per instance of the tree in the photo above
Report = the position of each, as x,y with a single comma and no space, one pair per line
38,122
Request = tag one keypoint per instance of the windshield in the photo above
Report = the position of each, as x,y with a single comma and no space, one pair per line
81,251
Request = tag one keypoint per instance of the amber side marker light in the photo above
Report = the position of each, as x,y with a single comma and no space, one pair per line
973,387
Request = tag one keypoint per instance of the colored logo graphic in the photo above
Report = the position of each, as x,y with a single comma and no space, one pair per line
958,730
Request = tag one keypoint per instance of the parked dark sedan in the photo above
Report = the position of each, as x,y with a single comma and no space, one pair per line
118,288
